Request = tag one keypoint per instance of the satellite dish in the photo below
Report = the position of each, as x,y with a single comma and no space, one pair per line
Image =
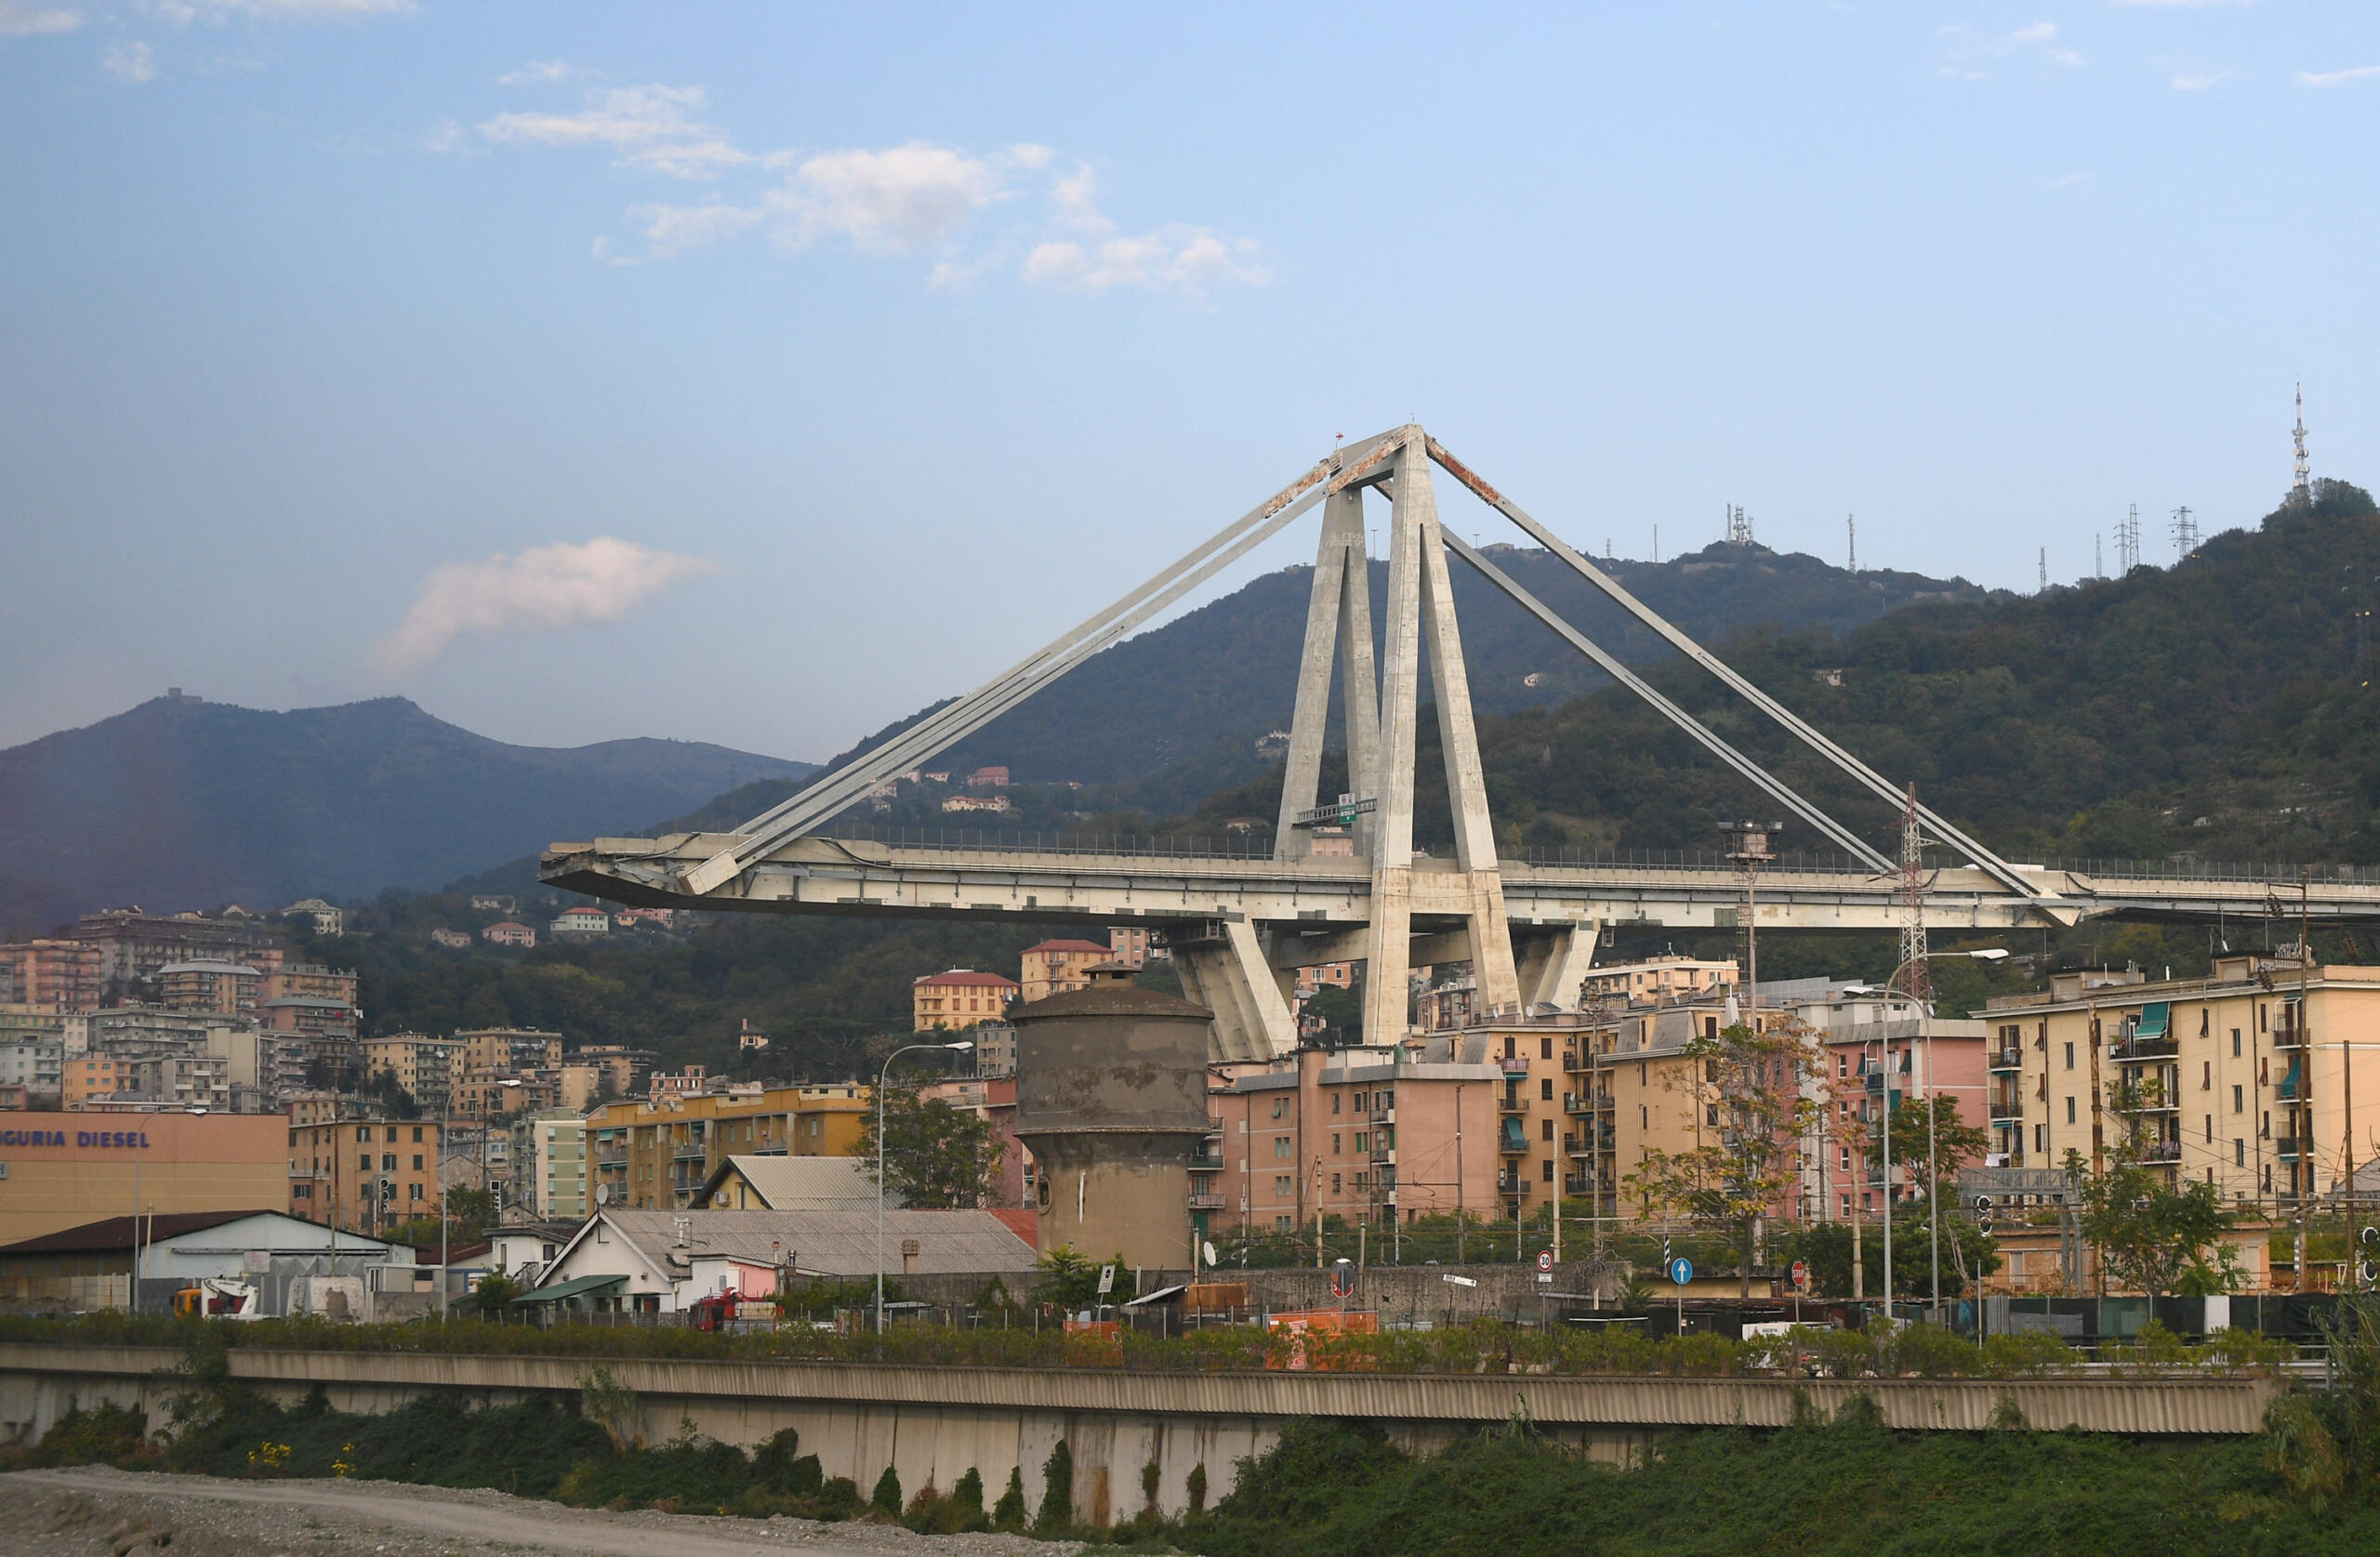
602,1194
1209,1249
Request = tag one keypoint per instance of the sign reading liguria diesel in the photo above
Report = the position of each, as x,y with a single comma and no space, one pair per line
106,1139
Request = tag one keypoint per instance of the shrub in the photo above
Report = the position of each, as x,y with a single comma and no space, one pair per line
106,1435
886,1499
2025,1351
1931,1352
1057,1513
1009,1512
1198,1488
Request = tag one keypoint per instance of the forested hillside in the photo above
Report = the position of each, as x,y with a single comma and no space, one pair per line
2221,707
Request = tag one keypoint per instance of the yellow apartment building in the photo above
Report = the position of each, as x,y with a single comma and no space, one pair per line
363,1175
957,998
2249,1080
652,1155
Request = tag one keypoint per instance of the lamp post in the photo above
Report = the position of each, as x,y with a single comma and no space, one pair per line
880,1077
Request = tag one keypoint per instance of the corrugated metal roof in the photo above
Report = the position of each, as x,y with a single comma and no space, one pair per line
831,1243
801,1183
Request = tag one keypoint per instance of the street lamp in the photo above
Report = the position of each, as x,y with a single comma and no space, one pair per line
880,1076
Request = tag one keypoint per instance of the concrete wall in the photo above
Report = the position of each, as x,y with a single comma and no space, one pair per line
933,1424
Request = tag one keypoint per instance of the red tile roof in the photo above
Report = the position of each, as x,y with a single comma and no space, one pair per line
968,977
1071,947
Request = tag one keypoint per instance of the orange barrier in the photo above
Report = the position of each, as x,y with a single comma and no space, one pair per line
1322,1325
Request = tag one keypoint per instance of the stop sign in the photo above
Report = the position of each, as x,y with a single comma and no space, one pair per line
1801,1273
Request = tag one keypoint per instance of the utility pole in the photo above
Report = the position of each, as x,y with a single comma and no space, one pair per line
2042,587
2301,481
1851,529
1458,1170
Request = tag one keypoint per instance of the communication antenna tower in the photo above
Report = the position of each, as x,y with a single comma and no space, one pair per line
2098,559
2128,543
2185,533
2042,588
1851,528
1739,526
1915,982
2303,482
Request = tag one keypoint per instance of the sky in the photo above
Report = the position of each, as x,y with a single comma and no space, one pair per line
757,374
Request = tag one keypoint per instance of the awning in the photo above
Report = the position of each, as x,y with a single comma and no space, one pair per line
2153,1020
2289,1082
581,1286
1161,1295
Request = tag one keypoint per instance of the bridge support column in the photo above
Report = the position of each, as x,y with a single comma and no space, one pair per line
1552,960
1226,971
1420,607
1338,629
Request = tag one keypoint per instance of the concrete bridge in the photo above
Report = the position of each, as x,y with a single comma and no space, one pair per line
1240,926
933,1424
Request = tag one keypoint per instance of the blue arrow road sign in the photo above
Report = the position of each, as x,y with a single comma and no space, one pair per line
1681,1270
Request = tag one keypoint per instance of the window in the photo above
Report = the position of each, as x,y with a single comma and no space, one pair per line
2209,1126
2235,1043
1846,1207
1280,1145
1281,1224
2069,1109
1281,1186
417,1134
412,1192
416,1162
2069,1057
1711,1115
1334,1183
1334,1102
1842,1063
2203,1017
1280,1107
2040,1140
1545,1170
364,1132
2238,1099
1508,1052
364,1162
1334,1143
2206,1075
1545,1048
1545,1089
2239,1153
1644,1117
1545,1129
1844,1153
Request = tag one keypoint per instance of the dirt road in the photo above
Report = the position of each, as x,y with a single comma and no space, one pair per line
95,1511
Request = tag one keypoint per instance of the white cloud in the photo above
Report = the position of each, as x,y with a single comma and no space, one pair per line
2339,78
1186,259
279,10
2066,180
2200,82
558,586
670,231
22,17
650,127
129,61
446,136
539,73
889,202
1969,44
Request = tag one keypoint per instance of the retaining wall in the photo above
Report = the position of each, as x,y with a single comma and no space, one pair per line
933,1424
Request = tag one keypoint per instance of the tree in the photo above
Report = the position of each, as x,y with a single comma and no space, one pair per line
1746,1092
493,1292
471,1212
1069,1280
936,1158
1955,1143
2151,1237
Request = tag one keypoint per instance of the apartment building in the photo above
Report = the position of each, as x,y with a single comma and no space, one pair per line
2245,1080
1656,980
549,1165
509,1049
230,988
958,998
1053,967
60,975
654,1154
363,1175
132,945
425,1067
1355,1133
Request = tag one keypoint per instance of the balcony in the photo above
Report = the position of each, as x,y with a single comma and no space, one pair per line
1514,1064
1215,1126
2289,1035
2007,1108
2161,1151
1382,1116
2285,1148
2005,1059
1383,1148
1206,1162
1512,1102
2130,1051
1577,1184
1206,1202
1511,1183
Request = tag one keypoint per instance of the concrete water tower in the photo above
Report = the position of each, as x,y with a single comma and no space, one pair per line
1111,1099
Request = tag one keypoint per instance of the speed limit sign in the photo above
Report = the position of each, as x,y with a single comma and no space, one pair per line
1545,1260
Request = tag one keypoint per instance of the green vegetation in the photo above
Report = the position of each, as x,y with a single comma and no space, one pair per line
1850,1487
1483,1346
934,1155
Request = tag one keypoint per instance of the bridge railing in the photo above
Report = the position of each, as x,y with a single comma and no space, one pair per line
1686,859
1232,846
2281,876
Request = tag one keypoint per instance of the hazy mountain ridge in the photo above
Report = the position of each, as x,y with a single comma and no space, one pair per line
180,803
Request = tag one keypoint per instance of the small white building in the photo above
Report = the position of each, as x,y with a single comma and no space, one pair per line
582,922
647,1262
